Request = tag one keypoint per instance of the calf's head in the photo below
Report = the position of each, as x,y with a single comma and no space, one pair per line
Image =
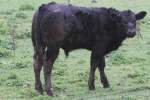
128,20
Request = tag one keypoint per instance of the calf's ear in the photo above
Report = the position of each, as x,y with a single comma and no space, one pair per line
140,15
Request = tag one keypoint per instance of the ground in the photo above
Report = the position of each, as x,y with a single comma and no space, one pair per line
128,68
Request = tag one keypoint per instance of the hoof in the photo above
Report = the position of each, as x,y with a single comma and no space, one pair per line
106,85
91,86
39,89
49,92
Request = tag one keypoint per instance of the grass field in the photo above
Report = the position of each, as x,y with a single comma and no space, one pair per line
128,68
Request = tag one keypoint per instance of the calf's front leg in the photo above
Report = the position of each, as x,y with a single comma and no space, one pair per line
93,66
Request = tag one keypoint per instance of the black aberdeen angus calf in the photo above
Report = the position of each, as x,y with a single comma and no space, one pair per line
100,30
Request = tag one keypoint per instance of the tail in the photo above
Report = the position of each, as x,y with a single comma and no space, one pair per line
36,30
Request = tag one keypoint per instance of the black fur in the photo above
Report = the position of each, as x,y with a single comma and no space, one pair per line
100,30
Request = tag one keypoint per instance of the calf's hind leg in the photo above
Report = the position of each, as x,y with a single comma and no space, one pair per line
50,56
37,63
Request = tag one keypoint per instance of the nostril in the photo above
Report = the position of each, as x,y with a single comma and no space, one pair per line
131,33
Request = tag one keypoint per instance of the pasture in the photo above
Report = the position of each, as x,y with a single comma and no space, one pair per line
127,69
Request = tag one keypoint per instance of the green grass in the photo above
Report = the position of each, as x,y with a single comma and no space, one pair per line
128,68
